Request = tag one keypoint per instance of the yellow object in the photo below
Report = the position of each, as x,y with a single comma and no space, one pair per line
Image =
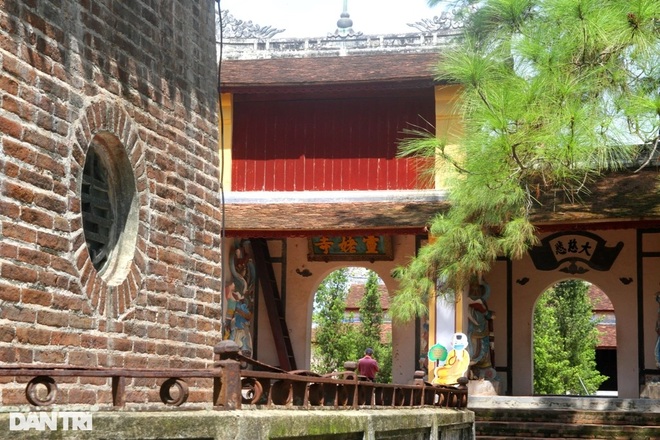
455,367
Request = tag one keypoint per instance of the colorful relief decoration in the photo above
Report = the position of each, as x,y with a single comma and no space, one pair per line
480,331
423,323
351,248
239,296
452,364
657,331
580,251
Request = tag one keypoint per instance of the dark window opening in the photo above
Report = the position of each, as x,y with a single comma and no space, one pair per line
97,209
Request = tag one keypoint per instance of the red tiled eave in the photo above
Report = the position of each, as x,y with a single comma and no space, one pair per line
306,219
242,75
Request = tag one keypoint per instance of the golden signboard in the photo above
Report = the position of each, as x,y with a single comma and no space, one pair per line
350,248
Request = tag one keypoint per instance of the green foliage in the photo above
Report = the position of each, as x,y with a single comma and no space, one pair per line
371,324
565,339
371,311
383,354
336,340
554,92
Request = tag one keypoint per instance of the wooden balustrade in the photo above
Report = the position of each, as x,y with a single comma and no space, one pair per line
235,386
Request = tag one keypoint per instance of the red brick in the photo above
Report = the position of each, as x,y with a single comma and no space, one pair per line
19,151
52,241
67,302
104,396
13,396
84,358
34,257
19,192
24,355
36,178
121,344
18,273
10,127
81,322
49,356
155,332
53,318
93,341
19,232
9,209
142,346
204,326
37,138
101,381
53,279
61,223
65,339
53,166
12,105
13,312
51,202
34,296
11,170
135,396
8,355
9,85
155,362
145,382
35,20
10,293
33,336
77,395
7,334
135,362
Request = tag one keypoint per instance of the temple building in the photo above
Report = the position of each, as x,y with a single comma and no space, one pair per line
312,182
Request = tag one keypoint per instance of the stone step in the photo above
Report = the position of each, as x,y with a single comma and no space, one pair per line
533,418
565,402
508,437
578,417
520,430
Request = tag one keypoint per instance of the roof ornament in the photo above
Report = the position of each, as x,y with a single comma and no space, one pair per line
446,21
234,28
345,25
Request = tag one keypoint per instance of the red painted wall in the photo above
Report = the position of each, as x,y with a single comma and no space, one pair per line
327,144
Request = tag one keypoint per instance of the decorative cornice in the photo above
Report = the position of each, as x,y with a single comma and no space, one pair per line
235,28
443,22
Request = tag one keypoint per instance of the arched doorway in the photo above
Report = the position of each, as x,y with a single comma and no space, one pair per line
574,341
349,314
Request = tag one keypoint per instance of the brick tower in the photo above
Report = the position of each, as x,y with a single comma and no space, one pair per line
109,183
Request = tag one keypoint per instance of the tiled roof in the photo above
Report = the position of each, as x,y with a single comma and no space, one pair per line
356,292
614,199
599,300
305,219
606,336
377,68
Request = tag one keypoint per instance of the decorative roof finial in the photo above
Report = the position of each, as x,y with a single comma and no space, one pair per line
345,24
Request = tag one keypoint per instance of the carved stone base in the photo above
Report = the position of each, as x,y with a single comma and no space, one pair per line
482,387
649,391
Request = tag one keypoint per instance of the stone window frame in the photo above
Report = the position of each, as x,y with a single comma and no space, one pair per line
110,296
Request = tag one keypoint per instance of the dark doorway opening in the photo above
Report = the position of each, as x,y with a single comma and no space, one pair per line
606,365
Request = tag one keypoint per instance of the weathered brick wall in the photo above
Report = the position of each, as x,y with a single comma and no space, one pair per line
142,72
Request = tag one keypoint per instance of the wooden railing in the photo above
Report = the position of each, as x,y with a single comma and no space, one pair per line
235,386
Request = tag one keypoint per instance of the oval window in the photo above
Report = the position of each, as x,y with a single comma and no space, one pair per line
109,207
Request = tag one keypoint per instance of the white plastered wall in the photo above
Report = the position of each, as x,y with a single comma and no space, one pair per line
300,296
622,296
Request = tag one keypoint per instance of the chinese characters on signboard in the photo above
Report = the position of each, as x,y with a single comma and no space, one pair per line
352,248
584,247
581,251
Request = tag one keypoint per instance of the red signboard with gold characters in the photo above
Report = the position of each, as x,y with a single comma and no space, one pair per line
350,248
